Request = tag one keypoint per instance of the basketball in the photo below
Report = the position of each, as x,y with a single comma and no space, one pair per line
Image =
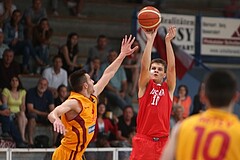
149,18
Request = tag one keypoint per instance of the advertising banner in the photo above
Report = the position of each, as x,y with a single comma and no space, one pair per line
220,37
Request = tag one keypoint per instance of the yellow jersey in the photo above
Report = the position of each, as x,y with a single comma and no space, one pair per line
212,135
80,130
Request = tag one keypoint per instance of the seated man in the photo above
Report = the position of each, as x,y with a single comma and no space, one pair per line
8,68
56,75
116,90
126,126
101,49
93,68
39,102
126,130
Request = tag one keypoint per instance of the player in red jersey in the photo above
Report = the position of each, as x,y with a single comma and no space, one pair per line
155,100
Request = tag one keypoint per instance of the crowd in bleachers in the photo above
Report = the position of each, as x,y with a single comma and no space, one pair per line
27,34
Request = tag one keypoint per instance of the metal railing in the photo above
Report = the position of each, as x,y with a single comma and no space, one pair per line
10,151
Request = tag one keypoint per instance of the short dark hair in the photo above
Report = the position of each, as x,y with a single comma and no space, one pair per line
56,57
14,12
61,86
161,61
220,88
76,80
7,51
128,106
101,36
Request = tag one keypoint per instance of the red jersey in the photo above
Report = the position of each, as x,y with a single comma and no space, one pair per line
154,110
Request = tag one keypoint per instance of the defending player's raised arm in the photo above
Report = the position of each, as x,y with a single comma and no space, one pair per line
169,151
66,106
109,72
144,76
171,69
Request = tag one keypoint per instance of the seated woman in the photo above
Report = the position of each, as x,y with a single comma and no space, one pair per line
69,53
183,99
105,131
104,127
14,99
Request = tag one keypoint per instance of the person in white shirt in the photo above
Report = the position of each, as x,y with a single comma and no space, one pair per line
56,75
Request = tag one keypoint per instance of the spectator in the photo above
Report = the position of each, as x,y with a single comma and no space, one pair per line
198,104
177,115
39,102
126,131
8,68
42,34
116,89
9,129
69,53
56,75
101,50
14,98
6,9
104,126
126,125
76,7
33,15
93,68
3,46
14,37
5,120
132,66
62,96
183,99
105,132
232,10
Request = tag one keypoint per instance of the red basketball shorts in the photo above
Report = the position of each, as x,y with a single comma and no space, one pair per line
147,148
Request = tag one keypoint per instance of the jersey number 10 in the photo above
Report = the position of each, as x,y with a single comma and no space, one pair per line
222,149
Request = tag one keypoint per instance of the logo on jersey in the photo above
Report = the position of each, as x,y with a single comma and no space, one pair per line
91,129
157,94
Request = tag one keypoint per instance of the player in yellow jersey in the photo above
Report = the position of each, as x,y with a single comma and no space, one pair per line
79,112
214,134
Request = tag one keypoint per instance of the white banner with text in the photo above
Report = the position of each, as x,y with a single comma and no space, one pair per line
220,36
